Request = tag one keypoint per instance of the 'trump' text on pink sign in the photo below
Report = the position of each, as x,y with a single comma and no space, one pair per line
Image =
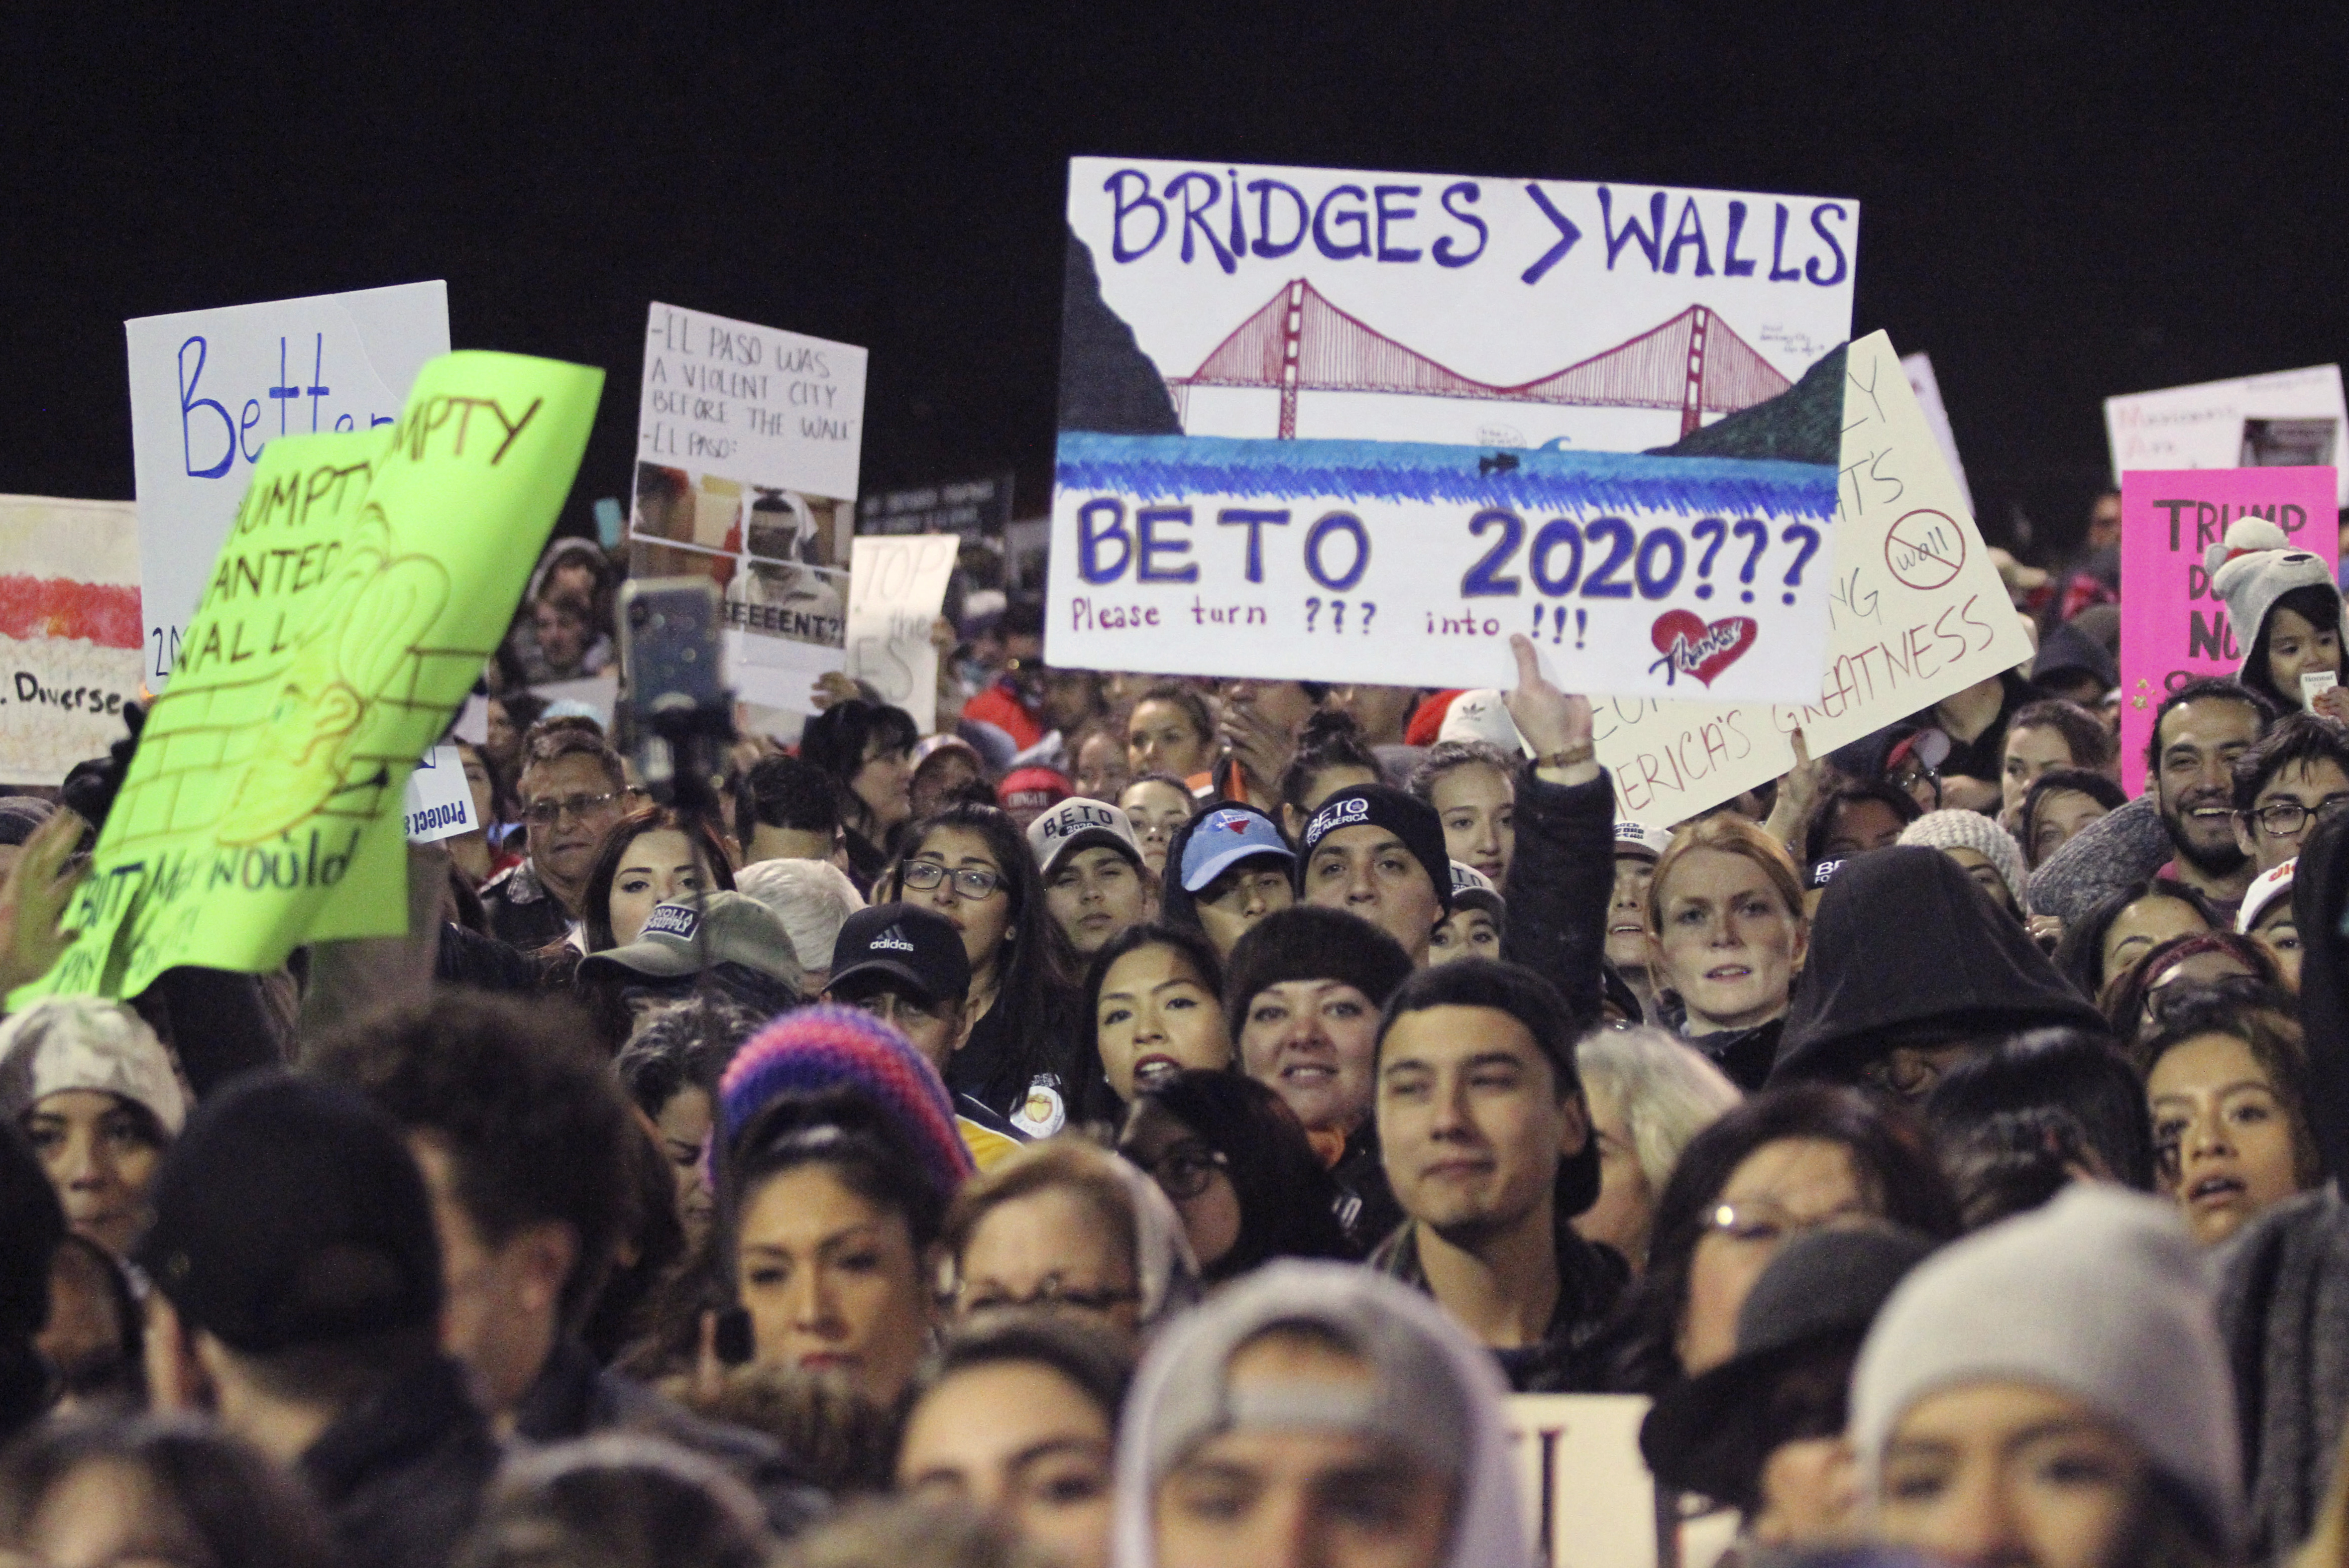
2173,624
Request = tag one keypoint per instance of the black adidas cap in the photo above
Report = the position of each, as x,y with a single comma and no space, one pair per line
893,945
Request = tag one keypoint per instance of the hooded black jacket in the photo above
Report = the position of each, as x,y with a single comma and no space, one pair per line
1908,949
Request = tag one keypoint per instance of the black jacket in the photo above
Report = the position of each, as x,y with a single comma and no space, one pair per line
523,914
1367,1210
1907,949
1560,880
573,1396
1566,1360
401,1475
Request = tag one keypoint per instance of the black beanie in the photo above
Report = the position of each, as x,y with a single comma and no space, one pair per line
1310,942
1406,816
291,1213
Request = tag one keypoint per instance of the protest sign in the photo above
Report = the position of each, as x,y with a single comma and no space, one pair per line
1916,609
898,586
210,388
2290,418
747,449
1334,425
975,508
69,631
1919,368
367,578
439,801
2174,626
1589,1500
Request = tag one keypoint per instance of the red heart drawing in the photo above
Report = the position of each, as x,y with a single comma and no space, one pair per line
1693,648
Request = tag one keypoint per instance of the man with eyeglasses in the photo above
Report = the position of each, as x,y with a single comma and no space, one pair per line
572,789
2296,777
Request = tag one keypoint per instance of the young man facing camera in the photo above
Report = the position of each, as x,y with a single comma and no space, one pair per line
1316,1416
1374,852
1486,1144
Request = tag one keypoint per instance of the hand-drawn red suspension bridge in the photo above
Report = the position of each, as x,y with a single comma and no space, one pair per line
1299,342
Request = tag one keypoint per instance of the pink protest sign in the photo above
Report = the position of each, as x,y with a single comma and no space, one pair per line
2173,627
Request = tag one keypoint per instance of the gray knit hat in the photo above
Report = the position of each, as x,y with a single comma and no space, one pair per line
2251,568
2099,1295
1956,829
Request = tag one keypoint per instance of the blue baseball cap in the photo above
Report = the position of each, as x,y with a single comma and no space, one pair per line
1226,836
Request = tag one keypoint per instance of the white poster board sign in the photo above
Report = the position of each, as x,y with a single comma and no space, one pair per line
897,587
1916,609
1919,369
209,388
1589,1500
747,441
70,631
439,803
2205,426
1351,426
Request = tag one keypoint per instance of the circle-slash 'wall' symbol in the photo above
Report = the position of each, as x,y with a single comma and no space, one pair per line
1924,549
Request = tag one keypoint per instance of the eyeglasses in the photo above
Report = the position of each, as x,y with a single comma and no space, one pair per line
1763,1222
1184,1172
1052,1292
970,883
2283,818
545,813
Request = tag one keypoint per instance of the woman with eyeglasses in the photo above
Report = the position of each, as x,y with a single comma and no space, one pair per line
1234,1161
1786,1161
867,749
1068,1227
972,865
2136,1003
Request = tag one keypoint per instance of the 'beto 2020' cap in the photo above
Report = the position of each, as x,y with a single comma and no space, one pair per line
893,945
1079,823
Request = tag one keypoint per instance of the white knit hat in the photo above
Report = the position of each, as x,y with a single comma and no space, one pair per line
2099,1295
1956,829
62,1042
813,899
2251,568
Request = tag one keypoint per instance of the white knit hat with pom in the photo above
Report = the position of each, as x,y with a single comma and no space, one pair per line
2251,568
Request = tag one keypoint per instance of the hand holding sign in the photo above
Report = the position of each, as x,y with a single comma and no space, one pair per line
1553,722
33,899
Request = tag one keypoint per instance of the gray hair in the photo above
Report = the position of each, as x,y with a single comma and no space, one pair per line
1665,1091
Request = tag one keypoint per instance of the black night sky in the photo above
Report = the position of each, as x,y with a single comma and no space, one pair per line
2057,202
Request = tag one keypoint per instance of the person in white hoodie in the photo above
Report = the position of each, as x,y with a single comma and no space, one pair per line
1317,1414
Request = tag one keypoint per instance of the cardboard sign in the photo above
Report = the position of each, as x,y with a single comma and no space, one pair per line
366,579
2174,626
1589,1500
748,440
1920,370
70,631
898,585
2242,423
439,801
210,388
1348,426
1916,609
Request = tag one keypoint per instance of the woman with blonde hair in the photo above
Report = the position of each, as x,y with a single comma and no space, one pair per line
1726,930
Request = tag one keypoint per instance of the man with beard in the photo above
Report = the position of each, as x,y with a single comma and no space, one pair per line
2200,729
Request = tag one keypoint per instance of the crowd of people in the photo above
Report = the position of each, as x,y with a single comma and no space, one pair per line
1160,1121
